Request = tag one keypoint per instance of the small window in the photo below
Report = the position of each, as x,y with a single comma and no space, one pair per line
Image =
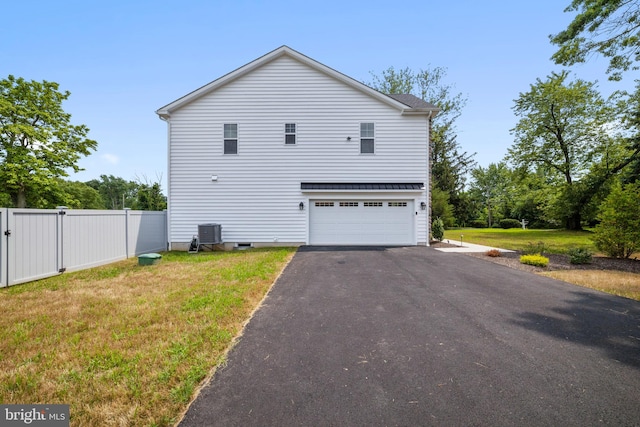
230,138
397,204
348,204
366,138
290,133
324,204
372,204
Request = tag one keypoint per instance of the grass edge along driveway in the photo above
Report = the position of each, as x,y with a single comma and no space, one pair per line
129,345
618,283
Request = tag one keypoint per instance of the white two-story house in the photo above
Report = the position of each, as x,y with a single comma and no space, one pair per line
288,151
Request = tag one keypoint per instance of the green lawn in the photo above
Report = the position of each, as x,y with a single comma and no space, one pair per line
125,344
555,241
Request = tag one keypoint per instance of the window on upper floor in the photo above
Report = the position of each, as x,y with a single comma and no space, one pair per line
290,133
230,138
367,145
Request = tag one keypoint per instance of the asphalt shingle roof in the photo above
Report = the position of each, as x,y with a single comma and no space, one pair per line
411,100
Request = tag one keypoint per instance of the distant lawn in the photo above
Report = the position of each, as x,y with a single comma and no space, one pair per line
555,241
613,282
124,344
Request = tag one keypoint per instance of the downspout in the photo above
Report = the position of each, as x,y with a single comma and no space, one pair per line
168,210
428,186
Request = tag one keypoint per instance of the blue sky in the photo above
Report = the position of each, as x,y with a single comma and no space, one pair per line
122,60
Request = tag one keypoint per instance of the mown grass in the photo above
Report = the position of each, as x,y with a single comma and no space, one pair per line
555,241
613,282
125,344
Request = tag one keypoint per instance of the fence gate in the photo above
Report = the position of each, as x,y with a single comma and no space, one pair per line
33,240
39,243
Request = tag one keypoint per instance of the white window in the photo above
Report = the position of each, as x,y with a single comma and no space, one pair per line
366,138
372,204
324,204
290,133
348,204
397,204
230,138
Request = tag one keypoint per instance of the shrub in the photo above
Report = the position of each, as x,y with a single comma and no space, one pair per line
580,255
478,223
534,248
510,223
537,260
618,234
493,253
437,229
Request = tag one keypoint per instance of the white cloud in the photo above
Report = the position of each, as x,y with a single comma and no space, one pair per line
111,158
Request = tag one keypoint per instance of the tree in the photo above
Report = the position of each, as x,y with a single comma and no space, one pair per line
618,233
492,187
532,195
116,192
449,164
437,229
607,27
441,208
37,141
78,195
569,130
149,195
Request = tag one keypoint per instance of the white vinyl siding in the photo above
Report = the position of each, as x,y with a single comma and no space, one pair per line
257,193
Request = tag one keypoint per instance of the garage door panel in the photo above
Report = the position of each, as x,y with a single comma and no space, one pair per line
361,222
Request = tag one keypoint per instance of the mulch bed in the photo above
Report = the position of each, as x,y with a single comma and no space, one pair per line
556,262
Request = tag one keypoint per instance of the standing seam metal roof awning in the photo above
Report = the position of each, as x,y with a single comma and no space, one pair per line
362,186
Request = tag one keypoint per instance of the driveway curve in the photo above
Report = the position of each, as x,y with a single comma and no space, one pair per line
412,336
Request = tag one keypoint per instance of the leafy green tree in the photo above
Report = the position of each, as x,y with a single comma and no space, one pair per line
569,130
441,208
618,233
78,195
116,192
492,186
37,141
5,199
467,209
449,164
610,28
149,196
532,194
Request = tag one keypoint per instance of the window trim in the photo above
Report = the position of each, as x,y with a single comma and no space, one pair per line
294,133
226,139
368,138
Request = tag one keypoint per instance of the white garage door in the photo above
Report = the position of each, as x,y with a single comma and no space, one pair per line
361,222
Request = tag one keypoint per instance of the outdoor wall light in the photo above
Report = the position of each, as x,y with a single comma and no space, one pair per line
301,206
423,206
348,138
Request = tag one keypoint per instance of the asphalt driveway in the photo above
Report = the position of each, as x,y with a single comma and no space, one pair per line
412,336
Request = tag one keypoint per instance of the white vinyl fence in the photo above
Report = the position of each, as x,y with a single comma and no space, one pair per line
38,243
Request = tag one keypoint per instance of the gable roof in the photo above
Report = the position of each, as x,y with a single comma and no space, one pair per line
406,106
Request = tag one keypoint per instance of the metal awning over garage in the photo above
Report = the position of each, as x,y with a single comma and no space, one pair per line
362,186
